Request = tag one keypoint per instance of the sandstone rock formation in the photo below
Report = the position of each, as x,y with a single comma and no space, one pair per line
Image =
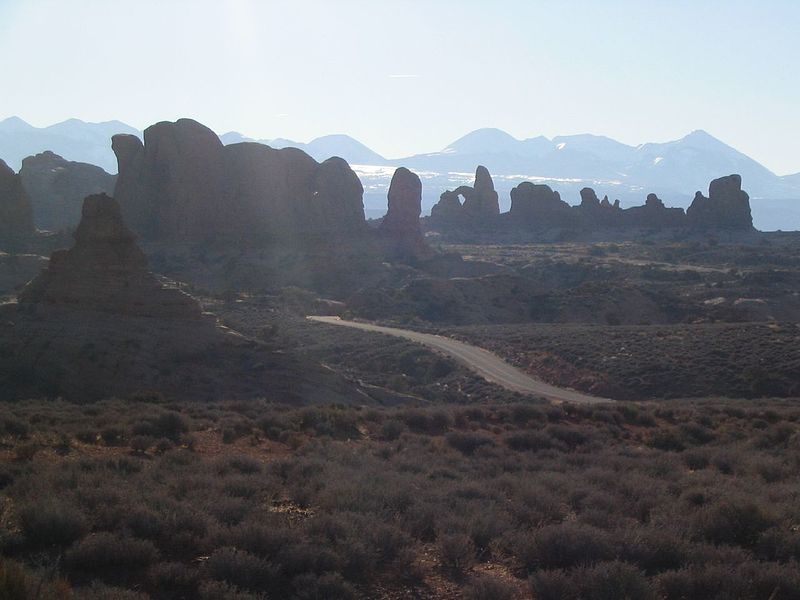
480,202
400,227
538,209
483,201
16,217
727,206
57,188
182,184
97,324
536,205
653,215
105,271
448,209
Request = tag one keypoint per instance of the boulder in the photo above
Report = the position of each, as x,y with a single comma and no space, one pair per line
57,188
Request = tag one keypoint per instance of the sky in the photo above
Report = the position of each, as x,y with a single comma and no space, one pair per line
406,77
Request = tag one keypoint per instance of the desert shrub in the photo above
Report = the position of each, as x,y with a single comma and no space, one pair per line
456,552
732,522
86,436
524,441
667,440
305,557
174,578
264,540
604,581
14,427
654,550
140,443
696,459
553,585
103,551
484,587
430,422
561,546
467,442
327,586
46,524
229,511
100,591
13,581
219,590
746,581
696,434
168,425
612,581
239,568
392,429
112,436
163,445
26,452
239,464
334,421
567,435
6,476
524,414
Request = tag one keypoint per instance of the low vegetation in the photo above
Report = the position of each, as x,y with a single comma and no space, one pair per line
143,498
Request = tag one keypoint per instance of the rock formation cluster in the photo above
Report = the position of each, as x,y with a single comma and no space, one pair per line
105,271
182,184
536,207
480,201
57,187
16,216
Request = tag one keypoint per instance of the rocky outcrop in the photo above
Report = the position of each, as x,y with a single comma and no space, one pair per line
480,202
727,206
400,227
97,324
483,202
534,205
182,184
653,215
105,271
537,208
57,188
16,217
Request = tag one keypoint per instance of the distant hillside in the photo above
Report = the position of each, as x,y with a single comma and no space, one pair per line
73,139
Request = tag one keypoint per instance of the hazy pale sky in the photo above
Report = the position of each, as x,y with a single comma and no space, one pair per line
409,77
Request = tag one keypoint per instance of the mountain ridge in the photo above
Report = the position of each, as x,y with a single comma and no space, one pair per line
674,169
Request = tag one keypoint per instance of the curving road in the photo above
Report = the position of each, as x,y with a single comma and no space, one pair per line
486,364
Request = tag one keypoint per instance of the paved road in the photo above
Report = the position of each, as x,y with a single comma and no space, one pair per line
489,366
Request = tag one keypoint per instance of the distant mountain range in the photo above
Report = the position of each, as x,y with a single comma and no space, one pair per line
674,170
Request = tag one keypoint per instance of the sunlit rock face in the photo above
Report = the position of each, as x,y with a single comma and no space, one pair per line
182,184
400,227
105,271
16,216
57,188
727,206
